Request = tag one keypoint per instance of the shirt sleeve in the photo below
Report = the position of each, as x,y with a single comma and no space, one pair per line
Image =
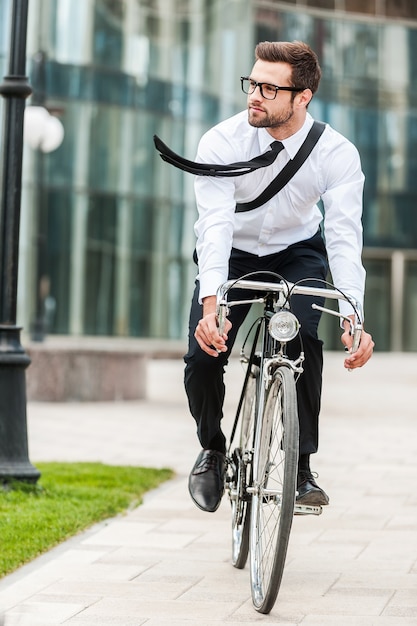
215,199
342,203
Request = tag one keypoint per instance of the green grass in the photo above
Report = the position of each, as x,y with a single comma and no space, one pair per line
68,498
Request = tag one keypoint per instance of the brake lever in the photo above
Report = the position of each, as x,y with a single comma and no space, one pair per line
356,337
355,330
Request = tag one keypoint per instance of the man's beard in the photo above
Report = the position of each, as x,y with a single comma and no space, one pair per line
271,121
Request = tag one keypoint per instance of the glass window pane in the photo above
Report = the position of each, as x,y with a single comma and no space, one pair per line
378,301
108,31
54,243
141,270
410,308
100,265
361,6
321,4
105,158
401,8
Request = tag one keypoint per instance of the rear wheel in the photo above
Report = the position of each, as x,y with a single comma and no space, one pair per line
242,470
275,472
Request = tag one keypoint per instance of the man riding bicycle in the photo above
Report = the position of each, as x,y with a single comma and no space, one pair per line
282,235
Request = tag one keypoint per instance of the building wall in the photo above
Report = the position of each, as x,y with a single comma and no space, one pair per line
107,227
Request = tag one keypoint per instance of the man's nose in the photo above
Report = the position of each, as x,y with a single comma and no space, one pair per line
256,95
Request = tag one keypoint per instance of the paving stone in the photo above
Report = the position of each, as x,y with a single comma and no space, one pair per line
170,608
403,604
357,620
46,612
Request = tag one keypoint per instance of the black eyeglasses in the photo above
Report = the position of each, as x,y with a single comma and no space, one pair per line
268,91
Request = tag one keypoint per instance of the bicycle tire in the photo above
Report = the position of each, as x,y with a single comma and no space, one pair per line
239,499
275,474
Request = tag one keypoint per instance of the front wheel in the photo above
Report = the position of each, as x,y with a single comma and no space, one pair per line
275,474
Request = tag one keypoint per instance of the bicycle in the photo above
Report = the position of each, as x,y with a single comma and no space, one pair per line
261,470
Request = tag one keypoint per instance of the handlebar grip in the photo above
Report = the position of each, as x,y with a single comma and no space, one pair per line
221,315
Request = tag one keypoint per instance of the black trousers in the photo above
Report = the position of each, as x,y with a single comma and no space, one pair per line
203,376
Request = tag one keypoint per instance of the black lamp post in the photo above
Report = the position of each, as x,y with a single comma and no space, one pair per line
14,460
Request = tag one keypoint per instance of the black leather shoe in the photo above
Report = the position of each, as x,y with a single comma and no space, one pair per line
206,482
308,491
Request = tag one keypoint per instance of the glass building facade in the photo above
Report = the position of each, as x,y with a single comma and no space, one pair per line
107,227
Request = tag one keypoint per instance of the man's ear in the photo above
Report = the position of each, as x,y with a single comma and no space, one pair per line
304,97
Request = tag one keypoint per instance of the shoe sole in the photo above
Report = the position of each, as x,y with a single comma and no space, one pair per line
205,509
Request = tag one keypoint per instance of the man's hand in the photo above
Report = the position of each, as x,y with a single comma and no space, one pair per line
363,353
207,331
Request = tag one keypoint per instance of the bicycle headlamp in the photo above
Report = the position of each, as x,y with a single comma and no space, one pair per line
284,326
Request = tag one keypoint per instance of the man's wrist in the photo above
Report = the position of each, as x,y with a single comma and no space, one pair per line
347,327
209,305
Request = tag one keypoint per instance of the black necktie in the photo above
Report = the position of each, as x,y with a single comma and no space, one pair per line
211,169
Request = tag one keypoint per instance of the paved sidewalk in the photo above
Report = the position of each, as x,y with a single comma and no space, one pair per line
168,564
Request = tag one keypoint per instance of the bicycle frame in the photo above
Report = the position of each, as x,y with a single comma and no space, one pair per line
277,297
268,356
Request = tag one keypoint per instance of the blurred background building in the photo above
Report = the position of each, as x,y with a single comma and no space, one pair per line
107,228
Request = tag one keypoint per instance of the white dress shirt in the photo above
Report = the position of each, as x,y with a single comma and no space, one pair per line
332,172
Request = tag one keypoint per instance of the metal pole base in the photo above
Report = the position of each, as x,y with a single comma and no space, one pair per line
14,459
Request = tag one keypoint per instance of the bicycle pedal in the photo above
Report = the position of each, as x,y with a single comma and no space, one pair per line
306,509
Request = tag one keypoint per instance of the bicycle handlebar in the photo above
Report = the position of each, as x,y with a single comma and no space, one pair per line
284,287
288,289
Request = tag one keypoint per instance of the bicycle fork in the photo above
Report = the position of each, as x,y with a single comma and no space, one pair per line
258,489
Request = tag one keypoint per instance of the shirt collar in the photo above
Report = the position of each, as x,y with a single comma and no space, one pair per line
291,144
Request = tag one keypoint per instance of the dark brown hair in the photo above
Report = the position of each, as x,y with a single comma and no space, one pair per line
306,71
